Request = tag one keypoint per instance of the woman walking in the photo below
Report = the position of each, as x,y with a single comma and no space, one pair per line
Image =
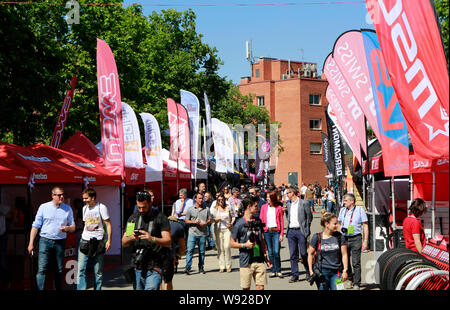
329,250
271,214
224,218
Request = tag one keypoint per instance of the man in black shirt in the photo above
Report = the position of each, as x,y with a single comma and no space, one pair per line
148,231
176,250
249,239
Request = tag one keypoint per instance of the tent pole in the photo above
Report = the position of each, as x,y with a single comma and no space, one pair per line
411,188
374,237
122,194
162,195
433,206
393,203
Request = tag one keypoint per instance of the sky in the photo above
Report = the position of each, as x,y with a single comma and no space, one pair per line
302,30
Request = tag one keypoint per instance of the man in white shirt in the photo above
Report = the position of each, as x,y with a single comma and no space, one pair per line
95,215
180,208
299,218
303,191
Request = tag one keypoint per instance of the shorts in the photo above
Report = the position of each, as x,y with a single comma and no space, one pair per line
257,271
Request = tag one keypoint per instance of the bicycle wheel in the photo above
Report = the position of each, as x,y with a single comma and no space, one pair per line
407,277
395,260
414,283
381,261
420,263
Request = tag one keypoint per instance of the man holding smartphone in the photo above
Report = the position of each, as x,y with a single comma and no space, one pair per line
148,232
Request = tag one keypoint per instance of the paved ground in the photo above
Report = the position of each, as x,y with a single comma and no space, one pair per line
213,280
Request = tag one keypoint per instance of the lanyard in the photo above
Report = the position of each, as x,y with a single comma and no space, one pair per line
351,218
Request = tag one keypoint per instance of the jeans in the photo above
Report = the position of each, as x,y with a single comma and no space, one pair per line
354,245
297,241
272,239
311,204
324,203
83,261
148,280
191,242
331,207
47,249
210,238
329,282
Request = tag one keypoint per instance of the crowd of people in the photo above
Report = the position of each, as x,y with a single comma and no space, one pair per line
248,219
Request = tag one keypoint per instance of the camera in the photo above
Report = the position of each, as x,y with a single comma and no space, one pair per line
139,257
317,275
344,230
254,226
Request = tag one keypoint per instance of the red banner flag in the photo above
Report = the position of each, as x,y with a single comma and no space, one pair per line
172,114
413,52
184,145
110,106
63,114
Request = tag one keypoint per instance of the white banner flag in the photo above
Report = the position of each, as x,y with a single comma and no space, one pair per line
219,145
131,138
192,105
154,168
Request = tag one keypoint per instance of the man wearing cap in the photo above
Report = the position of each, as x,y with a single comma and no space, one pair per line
54,219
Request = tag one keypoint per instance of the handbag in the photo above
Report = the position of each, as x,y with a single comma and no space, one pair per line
317,276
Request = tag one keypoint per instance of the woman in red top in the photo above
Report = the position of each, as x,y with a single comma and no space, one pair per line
412,227
271,214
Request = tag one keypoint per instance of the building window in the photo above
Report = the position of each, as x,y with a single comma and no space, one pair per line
315,148
260,101
257,73
315,124
314,99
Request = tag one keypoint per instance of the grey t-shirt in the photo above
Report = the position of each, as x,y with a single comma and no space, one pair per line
330,252
203,214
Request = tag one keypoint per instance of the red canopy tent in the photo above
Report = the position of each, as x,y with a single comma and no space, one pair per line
93,171
12,174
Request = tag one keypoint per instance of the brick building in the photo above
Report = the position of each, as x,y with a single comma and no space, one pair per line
296,98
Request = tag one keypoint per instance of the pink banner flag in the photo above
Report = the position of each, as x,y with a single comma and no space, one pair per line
172,114
110,106
413,52
347,102
343,123
350,57
184,145
63,115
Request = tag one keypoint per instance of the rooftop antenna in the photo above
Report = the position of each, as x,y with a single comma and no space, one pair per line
249,54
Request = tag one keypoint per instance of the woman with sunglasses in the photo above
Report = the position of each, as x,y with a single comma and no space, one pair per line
224,218
272,215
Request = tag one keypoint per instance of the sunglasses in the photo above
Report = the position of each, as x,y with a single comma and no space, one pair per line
59,195
141,196
221,199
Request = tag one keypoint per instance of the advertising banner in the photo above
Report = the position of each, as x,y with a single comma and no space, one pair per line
326,152
110,109
172,114
348,103
131,138
337,149
412,48
219,145
184,146
154,168
192,105
393,131
63,115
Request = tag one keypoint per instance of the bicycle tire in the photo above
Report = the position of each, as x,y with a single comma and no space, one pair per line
411,266
409,276
394,260
413,284
379,265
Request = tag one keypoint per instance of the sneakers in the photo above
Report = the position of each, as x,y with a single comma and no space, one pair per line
188,271
280,275
273,275
202,271
356,287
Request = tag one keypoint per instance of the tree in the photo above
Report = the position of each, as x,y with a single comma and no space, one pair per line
442,9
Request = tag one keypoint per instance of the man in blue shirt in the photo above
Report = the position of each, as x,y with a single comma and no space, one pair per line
55,220
180,208
354,226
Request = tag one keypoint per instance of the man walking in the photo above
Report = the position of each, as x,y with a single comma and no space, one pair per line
249,239
93,244
148,231
177,249
352,222
207,203
54,219
309,197
299,218
180,209
198,218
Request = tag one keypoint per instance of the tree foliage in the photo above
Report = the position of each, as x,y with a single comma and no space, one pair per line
442,9
156,56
